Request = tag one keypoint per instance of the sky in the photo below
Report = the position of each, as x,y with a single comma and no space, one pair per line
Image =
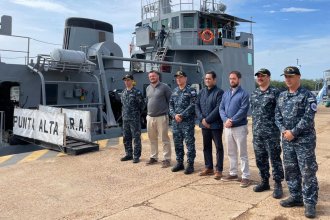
286,32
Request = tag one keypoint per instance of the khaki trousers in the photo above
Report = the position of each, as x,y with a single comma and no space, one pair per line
158,127
236,141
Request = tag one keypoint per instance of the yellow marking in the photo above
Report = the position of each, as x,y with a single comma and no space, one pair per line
61,154
121,140
102,143
5,158
34,156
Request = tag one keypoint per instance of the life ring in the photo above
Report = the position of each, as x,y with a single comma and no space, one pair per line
207,36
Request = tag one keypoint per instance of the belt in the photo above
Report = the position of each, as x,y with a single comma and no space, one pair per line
157,115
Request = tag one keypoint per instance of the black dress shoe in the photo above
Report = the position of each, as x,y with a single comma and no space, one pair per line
152,161
310,211
178,167
291,202
136,160
126,158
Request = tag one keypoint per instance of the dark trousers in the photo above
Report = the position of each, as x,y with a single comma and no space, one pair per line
216,136
132,132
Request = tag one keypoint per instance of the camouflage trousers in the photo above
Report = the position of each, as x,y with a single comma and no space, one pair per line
184,131
268,149
132,132
300,169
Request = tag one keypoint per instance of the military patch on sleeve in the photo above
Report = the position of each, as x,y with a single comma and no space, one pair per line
193,92
314,106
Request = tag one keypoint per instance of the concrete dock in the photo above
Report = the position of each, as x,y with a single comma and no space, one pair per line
99,186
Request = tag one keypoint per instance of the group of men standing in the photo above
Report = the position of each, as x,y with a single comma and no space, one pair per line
286,116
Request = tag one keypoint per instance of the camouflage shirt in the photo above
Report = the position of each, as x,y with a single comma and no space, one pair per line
133,104
263,105
183,102
296,111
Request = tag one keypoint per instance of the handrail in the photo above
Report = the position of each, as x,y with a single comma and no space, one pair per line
43,89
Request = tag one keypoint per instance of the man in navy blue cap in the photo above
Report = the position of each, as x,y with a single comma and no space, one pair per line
295,112
266,135
182,110
132,107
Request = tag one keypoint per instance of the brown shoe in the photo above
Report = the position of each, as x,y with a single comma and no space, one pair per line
151,161
229,178
206,172
217,175
244,183
166,163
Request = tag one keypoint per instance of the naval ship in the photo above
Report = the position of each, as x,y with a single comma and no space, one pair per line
85,75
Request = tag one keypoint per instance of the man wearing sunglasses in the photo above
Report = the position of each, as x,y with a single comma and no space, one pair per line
294,115
266,135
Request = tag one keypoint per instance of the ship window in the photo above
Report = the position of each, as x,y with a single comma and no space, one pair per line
165,23
154,25
101,36
175,22
250,59
201,22
188,21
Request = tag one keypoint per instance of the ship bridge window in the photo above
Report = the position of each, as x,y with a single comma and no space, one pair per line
154,25
188,21
165,23
175,22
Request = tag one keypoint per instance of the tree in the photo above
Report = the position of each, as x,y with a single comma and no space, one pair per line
310,84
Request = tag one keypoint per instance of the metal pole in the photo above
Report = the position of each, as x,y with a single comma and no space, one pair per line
110,117
43,90
28,52
100,102
251,25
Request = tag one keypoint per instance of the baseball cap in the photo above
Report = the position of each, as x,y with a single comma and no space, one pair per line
291,70
128,76
180,73
263,71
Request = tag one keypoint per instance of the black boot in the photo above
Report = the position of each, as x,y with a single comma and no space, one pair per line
179,166
291,202
278,191
310,211
264,185
190,169
126,158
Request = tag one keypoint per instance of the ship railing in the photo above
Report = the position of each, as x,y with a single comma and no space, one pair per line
150,9
194,38
47,63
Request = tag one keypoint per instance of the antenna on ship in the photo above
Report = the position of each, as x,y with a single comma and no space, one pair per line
298,65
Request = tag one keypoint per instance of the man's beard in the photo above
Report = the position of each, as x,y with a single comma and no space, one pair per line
234,85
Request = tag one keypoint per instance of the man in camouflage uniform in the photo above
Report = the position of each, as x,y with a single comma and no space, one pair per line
295,113
266,135
182,110
132,107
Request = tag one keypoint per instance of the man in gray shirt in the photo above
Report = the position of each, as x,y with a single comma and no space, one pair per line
158,95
